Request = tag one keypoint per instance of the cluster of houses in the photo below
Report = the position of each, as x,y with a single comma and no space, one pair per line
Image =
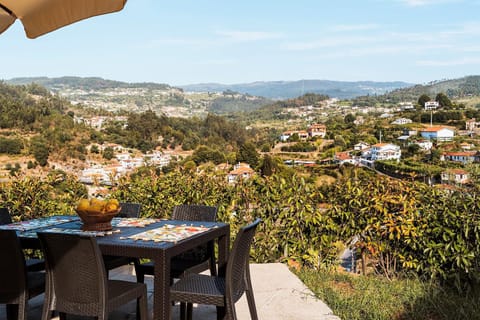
99,121
313,131
388,151
125,162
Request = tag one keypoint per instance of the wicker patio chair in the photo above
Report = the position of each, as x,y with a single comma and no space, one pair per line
128,210
17,285
33,264
222,292
195,260
77,281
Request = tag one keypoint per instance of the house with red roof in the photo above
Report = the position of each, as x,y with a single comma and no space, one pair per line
240,171
455,176
439,133
459,156
343,157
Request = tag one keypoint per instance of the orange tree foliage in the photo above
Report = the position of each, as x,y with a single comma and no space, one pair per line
403,227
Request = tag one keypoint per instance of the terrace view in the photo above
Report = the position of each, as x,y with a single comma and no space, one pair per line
361,195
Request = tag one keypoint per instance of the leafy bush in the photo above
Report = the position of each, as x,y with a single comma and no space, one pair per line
299,147
29,198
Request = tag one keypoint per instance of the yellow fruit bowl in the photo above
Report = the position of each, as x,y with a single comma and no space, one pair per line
96,221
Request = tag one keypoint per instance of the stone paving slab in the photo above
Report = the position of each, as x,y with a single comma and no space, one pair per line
279,294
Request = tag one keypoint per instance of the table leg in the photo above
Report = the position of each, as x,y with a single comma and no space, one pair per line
161,288
223,250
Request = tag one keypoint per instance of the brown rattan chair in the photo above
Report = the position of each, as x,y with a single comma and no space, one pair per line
196,260
77,281
128,210
33,264
222,292
17,285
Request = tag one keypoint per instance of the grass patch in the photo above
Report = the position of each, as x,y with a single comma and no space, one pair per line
353,297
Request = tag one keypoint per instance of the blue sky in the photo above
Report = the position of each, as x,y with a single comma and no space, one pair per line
190,41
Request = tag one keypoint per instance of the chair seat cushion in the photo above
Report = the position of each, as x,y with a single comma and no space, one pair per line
199,288
121,292
177,266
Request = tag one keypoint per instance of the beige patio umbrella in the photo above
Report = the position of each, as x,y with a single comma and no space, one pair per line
42,16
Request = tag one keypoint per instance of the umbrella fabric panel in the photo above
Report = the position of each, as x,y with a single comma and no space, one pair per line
42,16
6,20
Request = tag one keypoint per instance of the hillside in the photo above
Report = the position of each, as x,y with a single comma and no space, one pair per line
454,88
200,99
139,97
289,89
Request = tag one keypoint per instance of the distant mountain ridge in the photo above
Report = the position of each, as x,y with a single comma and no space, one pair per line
468,85
454,88
93,83
291,89
278,90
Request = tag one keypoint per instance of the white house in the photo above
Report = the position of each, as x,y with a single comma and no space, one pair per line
384,151
157,158
424,144
431,105
401,121
343,157
438,133
240,171
317,130
457,176
406,106
361,146
460,156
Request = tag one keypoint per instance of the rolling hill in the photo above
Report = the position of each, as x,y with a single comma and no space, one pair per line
281,90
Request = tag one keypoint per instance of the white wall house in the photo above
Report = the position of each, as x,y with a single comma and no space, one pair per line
361,146
343,157
457,176
317,130
461,156
425,144
431,105
385,151
240,171
401,121
438,133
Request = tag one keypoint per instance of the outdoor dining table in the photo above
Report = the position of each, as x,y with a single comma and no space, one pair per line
136,238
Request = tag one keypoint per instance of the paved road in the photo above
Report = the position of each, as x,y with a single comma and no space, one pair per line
279,295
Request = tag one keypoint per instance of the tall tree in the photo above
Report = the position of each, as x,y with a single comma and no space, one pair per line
248,153
40,150
422,99
443,100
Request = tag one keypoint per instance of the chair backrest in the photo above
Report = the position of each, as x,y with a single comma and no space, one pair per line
129,210
76,275
12,268
238,261
194,212
5,217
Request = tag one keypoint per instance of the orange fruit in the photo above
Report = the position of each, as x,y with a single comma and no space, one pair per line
111,207
83,204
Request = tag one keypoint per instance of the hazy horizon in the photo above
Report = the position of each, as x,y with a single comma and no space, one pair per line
182,43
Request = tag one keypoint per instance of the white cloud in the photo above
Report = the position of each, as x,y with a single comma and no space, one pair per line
421,3
448,63
328,43
242,36
355,27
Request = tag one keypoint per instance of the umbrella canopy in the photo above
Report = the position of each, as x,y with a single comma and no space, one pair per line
42,16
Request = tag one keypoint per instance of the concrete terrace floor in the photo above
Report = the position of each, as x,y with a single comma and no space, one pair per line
279,294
